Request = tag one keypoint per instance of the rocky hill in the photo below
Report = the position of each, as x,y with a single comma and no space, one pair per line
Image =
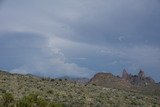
18,90
109,80
138,83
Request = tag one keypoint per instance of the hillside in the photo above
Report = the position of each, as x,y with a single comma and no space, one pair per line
32,91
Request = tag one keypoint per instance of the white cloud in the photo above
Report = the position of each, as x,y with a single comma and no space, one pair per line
52,62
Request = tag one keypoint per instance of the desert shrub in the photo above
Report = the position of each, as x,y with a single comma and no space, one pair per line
60,79
134,102
2,90
8,99
41,102
94,84
50,91
32,100
43,79
52,80
23,103
57,105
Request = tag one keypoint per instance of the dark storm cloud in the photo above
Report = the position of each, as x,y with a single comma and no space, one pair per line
80,35
136,21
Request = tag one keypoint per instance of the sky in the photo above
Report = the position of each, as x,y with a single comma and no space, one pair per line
79,38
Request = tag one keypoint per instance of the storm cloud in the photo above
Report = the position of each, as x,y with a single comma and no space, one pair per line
80,37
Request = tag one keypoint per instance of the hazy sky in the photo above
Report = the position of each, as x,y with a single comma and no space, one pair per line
80,37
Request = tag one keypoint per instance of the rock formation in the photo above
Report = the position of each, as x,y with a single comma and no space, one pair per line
141,75
126,81
125,75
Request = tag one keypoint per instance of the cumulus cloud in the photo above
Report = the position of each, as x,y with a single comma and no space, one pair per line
56,66
38,56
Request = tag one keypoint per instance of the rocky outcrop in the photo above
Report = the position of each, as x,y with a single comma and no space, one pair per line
139,79
109,80
125,75
127,81
141,75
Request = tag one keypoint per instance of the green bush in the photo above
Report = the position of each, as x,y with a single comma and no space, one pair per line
52,80
32,100
57,105
60,79
50,91
94,84
8,99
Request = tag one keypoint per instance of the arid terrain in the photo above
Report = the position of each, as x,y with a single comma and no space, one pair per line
103,90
